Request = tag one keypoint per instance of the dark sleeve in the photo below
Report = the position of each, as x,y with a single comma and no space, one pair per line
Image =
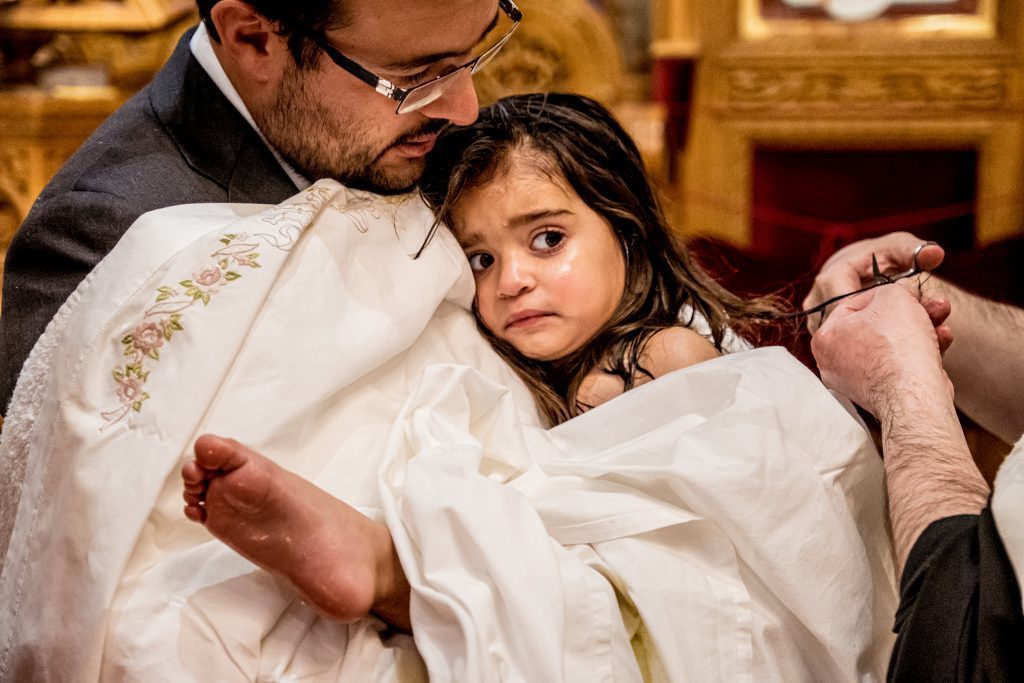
960,615
61,240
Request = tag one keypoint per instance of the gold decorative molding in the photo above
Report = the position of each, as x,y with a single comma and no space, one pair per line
131,59
675,30
527,64
978,24
15,176
128,16
39,131
568,46
925,82
840,88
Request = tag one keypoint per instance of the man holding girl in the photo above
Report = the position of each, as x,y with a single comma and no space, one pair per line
291,85
506,547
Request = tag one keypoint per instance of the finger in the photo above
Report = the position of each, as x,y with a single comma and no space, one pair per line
850,268
945,336
835,281
895,251
938,310
930,256
852,305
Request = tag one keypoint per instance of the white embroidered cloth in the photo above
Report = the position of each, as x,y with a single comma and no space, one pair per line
724,522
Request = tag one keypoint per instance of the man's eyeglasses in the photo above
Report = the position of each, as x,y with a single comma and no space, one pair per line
422,95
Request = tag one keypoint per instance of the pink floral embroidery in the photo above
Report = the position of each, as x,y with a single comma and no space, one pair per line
147,338
208,279
129,391
163,319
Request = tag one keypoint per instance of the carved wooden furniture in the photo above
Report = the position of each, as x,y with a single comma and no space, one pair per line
571,46
38,132
771,75
41,127
567,46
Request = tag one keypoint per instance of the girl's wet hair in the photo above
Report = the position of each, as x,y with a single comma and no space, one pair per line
573,139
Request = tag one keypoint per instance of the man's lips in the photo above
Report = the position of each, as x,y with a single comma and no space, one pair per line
525,319
416,146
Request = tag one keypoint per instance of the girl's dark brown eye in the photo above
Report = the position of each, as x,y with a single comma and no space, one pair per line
549,239
480,262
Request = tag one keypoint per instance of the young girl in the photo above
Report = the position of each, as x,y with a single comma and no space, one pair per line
581,285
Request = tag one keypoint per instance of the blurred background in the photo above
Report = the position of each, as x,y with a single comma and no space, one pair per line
776,130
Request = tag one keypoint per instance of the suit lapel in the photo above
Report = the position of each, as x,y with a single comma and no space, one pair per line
211,135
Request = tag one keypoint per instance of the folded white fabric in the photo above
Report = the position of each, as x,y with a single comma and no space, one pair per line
733,506
1008,506
722,523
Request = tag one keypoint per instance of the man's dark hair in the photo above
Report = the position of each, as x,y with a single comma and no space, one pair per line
297,21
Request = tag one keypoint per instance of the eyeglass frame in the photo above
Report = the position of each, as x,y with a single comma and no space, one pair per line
398,94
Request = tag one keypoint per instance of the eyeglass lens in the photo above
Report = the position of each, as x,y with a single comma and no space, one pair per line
423,95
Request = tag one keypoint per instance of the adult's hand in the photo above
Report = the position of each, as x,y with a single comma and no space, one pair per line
880,348
849,269
879,344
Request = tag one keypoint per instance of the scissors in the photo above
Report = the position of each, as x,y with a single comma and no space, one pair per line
878,278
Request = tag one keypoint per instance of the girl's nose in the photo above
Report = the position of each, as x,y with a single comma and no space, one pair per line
516,277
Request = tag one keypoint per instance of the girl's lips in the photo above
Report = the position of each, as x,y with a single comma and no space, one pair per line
525,319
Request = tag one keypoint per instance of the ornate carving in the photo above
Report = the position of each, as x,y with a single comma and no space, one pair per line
527,64
95,15
976,88
861,10
15,171
567,45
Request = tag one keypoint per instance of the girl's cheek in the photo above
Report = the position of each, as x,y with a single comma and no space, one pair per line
485,308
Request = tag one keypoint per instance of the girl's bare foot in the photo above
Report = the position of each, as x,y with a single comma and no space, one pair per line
341,562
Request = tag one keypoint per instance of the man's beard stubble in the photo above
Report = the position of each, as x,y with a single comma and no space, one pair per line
320,143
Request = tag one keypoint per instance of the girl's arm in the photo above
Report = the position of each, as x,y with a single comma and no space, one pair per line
670,349
674,348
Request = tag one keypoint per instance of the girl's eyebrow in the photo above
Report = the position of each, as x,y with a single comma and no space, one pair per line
470,240
527,218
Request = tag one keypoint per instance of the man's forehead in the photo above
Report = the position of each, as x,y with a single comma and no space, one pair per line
407,32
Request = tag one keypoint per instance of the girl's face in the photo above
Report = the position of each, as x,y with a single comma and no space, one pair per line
549,270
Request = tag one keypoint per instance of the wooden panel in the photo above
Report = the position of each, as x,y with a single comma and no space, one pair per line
882,85
128,16
566,46
38,132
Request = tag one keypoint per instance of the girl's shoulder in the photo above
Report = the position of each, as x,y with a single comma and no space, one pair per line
667,350
674,348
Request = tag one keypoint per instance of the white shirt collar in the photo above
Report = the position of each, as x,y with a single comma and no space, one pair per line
202,50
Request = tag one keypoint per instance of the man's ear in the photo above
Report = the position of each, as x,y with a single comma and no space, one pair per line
248,44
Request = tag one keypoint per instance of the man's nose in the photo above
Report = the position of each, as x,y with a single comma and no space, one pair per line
459,104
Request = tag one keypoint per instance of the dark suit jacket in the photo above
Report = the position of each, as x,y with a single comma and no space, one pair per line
177,141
